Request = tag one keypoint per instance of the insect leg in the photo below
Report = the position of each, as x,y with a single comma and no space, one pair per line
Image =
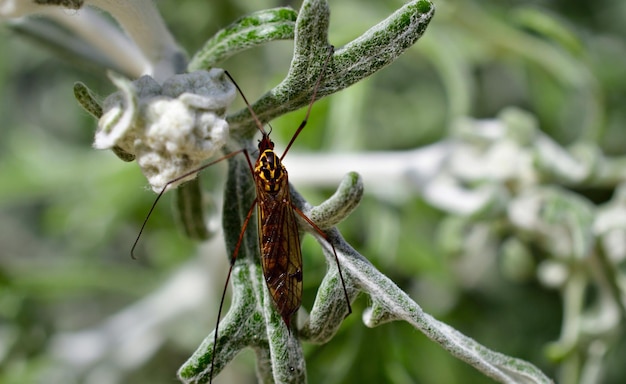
308,112
230,270
143,226
321,233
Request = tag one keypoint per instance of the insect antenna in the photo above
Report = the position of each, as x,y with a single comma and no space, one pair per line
259,126
277,224
241,233
254,116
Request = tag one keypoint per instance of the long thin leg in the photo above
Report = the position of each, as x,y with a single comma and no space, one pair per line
143,226
308,112
321,233
230,270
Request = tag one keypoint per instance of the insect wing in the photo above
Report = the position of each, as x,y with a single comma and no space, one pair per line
281,256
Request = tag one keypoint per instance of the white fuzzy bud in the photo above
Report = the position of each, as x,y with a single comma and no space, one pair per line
171,128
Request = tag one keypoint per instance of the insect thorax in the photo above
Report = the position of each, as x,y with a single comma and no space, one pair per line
270,171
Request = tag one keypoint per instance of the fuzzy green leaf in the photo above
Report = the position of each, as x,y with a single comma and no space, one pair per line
247,32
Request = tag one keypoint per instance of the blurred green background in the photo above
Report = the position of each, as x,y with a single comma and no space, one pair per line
69,214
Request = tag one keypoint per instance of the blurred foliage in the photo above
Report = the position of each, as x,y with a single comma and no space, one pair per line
69,214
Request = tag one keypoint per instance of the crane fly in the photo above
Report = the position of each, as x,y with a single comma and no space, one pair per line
281,256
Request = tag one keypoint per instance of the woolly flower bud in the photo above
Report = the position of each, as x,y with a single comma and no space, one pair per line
170,129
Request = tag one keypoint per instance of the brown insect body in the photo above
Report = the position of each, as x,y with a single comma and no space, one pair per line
281,257
279,238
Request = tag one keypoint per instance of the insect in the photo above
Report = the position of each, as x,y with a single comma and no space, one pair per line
281,257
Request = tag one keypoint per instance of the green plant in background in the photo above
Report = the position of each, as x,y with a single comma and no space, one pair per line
490,192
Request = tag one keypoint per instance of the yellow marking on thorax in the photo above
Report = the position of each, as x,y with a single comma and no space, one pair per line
270,171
